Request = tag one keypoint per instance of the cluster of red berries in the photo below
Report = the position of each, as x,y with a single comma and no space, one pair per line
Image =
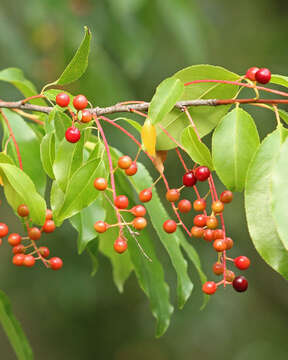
262,75
27,255
80,103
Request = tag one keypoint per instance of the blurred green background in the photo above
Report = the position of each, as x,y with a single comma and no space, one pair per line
137,43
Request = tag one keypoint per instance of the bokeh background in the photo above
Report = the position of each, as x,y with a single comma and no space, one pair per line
137,43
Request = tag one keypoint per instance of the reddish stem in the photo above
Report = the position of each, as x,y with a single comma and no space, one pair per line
181,160
32,97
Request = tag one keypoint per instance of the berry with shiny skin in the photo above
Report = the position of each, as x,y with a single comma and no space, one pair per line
209,287
121,202
100,226
172,195
242,262
197,231
208,235
120,245
124,162
23,210
240,283
14,239
132,170
72,134
139,223
229,243
212,222
62,99
218,234
18,259
217,207
250,74
202,173
189,179
55,263
218,268
263,75
226,197
86,116
100,184
29,261
49,226
18,249
219,245
80,102
34,233
138,210
170,226
49,214
184,206
44,251
230,276
199,205
200,220
3,230
145,195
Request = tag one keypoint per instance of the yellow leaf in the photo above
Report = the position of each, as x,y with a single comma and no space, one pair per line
148,136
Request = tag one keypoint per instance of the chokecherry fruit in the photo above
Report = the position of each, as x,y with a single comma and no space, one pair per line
202,173
44,251
189,179
219,245
49,226
242,262
263,76
14,239
199,205
218,234
100,184
29,260
173,195
145,195
217,207
197,231
226,197
80,102
18,259
49,214
250,74
200,220
120,245
209,287
23,210
121,202
55,263
240,283
3,230
18,249
139,223
72,134
208,235
218,268
132,170
170,226
184,206
86,116
230,276
34,233
100,226
229,243
212,222
62,99
138,210
124,162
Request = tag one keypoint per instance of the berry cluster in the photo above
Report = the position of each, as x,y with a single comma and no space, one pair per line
27,254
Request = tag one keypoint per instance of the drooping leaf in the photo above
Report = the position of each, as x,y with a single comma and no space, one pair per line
234,142
29,148
92,249
47,152
196,149
19,189
167,94
204,117
260,221
13,330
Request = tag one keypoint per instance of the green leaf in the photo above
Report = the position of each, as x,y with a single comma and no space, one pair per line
16,77
260,221
142,180
80,191
29,147
279,80
133,123
204,117
234,142
79,62
60,122
13,330
92,249
47,153
83,222
167,94
52,93
19,189
196,149
279,194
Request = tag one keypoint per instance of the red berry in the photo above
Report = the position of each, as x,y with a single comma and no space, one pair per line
212,222
229,243
218,268
62,99
240,283
49,214
14,239
29,261
218,234
124,162
263,76
217,207
226,196
23,210
173,195
197,231
3,230
230,276
34,233
209,287
189,179
138,210
44,251
208,235
49,226
80,102
121,202
132,170
100,226
170,226
145,195
72,134
86,116
55,263
18,259
184,206
199,205
139,223
200,220
202,173
219,245
242,262
18,249
250,74
120,245
100,184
